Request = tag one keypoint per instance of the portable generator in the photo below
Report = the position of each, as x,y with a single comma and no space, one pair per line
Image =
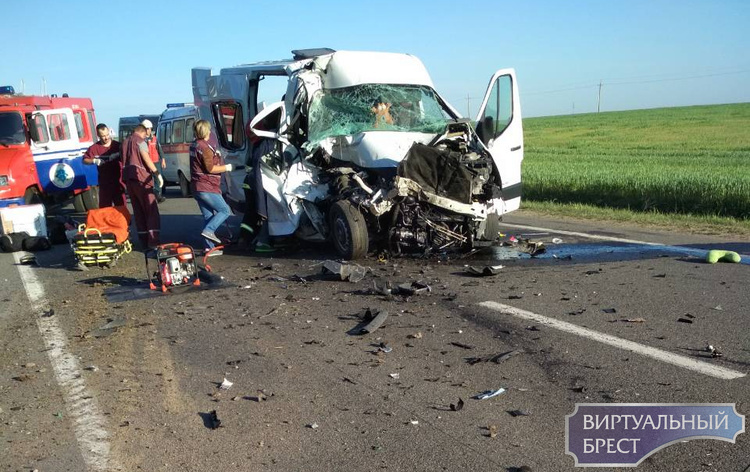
176,266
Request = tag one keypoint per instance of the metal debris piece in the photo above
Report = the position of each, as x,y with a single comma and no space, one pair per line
114,323
485,271
344,271
226,384
384,347
515,413
395,376
376,320
685,320
313,426
489,394
609,310
635,320
458,406
462,345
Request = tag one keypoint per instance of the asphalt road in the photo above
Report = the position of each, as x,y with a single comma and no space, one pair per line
309,393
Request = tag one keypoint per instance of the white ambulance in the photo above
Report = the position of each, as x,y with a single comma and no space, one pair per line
175,133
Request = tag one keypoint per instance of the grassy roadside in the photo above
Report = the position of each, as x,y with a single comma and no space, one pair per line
688,160
696,224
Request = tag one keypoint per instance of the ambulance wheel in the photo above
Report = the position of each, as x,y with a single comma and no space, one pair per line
91,198
78,204
184,186
348,231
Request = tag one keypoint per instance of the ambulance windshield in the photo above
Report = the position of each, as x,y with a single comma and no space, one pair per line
11,128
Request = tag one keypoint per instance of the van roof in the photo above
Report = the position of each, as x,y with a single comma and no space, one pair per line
347,68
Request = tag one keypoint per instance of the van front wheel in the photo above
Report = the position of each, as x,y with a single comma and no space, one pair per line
348,231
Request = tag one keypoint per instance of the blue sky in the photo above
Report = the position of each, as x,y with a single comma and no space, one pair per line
647,53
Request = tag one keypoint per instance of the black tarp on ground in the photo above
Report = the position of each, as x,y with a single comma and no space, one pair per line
438,171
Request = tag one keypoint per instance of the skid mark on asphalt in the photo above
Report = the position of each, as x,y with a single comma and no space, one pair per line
89,423
652,352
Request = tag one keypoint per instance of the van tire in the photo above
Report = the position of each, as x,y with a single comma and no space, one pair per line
184,185
348,231
91,198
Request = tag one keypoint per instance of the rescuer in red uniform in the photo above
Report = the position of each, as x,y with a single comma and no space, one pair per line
139,174
153,151
105,155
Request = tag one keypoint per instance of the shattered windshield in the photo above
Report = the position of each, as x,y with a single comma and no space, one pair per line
11,128
375,107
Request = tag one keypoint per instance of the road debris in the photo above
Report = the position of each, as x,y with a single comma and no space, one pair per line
414,288
458,406
485,271
346,271
212,420
609,310
515,413
417,335
557,241
312,425
374,319
23,378
384,347
462,345
226,384
489,394
685,320
713,351
718,255
496,358
492,431
113,323
414,422
395,376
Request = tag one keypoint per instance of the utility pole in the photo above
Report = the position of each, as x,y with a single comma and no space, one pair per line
23,87
599,99
468,108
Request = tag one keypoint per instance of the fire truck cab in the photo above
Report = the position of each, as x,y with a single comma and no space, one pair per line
42,142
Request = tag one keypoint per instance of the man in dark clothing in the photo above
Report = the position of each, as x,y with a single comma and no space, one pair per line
139,173
105,154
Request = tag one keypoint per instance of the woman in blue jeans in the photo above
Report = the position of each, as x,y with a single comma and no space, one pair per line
206,167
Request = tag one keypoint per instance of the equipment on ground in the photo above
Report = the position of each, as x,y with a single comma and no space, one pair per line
176,266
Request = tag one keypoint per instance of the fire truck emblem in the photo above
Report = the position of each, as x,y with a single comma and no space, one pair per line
61,175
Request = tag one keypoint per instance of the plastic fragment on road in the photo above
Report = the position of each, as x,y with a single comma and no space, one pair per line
492,430
485,271
213,420
344,271
312,425
489,394
395,376
226,384
557,241
718,255
384,347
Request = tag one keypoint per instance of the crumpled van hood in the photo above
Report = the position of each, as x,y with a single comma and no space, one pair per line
373,149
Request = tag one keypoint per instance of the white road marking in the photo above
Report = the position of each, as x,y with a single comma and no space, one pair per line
701,253
89,423
652,352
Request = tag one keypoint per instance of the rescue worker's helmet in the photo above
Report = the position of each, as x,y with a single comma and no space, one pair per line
147,124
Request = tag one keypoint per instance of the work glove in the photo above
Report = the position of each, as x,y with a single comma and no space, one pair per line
160,180
96,161
227,167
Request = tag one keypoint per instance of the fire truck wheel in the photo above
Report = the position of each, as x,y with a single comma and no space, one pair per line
348,231
184,186
91,198
32,197
78,204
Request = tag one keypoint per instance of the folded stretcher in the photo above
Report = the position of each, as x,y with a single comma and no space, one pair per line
104,238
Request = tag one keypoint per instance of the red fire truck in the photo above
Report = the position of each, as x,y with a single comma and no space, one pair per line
42,141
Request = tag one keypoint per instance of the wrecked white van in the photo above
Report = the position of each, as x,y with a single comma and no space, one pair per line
368,155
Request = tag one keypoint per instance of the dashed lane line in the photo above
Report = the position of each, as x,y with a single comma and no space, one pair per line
648,351
88,421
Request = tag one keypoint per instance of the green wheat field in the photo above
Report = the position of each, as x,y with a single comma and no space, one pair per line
688,160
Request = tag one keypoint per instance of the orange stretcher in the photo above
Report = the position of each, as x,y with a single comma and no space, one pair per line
104,238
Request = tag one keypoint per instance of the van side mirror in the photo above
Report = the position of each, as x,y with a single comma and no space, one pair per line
486,129
33,131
